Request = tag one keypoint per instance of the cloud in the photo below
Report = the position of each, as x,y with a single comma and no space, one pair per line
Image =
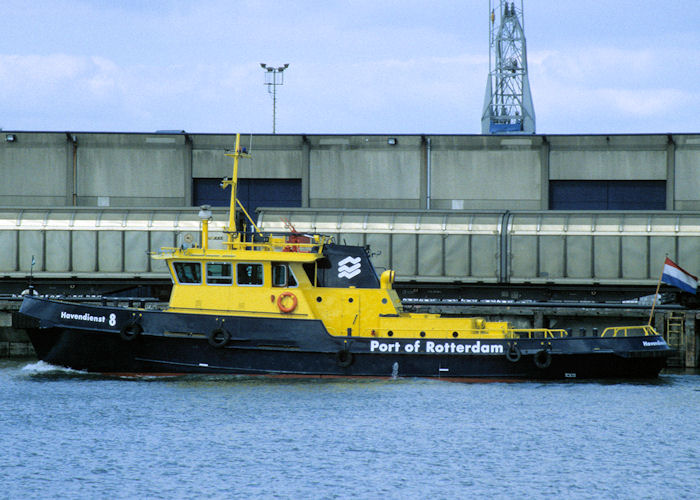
603,90
360,66
640,103
43,72
425,94
598,64
388,95
96,93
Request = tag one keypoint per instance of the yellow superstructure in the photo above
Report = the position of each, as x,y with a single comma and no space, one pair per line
283,288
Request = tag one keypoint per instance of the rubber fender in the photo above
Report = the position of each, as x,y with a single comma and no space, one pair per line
344,358
543,359
131,330
513,353
218,337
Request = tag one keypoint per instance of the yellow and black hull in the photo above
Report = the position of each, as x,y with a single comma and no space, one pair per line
124,340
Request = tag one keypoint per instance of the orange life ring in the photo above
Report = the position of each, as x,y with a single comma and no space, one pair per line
288,308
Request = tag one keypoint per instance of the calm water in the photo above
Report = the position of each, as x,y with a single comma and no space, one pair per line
71,435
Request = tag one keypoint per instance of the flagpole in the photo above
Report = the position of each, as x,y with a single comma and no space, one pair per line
656,294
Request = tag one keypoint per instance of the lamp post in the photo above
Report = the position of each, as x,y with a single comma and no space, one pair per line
274,76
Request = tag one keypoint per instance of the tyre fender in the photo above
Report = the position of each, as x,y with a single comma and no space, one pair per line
513,353
131,330
218,337
543,359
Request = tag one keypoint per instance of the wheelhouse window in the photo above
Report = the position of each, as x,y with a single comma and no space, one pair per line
189,273
249,274
282,276
219,273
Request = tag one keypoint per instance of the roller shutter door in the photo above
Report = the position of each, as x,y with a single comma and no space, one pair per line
253,193
607,195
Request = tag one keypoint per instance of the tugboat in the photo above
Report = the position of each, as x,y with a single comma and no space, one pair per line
303,305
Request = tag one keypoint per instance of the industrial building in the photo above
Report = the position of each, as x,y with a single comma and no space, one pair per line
580,209
445,172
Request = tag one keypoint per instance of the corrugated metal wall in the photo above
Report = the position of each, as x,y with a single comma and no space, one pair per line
430,246
518,247
105,243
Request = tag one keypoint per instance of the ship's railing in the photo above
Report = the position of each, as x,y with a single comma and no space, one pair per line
524,333
629,331
291,242
470,333
537,333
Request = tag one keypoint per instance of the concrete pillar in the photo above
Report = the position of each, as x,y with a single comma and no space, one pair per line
189,181
423,194
670,174
305,171
70,174
660,323
538,320
544,174
691,360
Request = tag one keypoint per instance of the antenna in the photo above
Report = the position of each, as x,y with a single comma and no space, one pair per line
274,76
30,289
508,107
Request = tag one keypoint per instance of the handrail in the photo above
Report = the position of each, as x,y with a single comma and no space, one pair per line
292,242
531,333
272,246
624,331
313,245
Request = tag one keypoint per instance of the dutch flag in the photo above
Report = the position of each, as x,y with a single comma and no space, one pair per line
677,276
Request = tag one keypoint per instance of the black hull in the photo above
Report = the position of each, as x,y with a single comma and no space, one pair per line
81,337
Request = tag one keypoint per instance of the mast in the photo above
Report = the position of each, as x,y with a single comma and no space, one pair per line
238,153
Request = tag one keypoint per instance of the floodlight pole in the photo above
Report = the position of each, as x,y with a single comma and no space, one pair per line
273,78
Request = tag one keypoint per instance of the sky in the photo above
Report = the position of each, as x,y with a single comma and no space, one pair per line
355,66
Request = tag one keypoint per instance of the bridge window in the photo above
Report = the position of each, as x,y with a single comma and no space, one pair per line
189,273
282,275
249,274
219,273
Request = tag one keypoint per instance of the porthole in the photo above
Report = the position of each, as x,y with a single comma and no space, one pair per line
390,333
422,334
455,334
350,300
384,301
318,299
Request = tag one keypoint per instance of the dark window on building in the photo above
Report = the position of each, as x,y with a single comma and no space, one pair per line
607,195
253,193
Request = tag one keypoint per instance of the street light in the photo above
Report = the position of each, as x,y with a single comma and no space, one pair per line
273,78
